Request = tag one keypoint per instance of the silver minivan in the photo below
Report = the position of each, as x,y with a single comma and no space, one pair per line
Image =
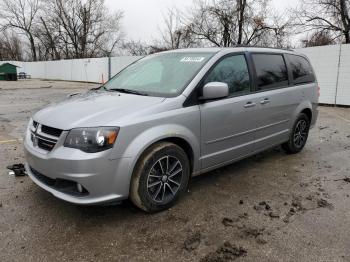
167,117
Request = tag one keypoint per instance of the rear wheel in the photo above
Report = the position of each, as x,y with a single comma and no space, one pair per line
160,177
298,136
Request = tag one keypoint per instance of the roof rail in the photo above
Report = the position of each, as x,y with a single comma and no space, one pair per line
256,46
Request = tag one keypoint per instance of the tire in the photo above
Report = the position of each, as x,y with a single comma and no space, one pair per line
298,136
157,181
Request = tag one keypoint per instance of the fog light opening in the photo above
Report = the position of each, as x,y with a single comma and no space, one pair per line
80,188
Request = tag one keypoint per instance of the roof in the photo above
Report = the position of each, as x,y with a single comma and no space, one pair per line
8,64
233,49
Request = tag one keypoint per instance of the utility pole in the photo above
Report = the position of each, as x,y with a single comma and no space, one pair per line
109,65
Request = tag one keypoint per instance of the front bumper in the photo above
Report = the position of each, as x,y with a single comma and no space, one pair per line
103,179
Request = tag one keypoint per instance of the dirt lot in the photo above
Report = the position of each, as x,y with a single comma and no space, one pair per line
270,207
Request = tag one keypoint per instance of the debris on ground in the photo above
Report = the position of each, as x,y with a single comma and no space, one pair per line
322,127
296,207
253,232
261,240
17,170
192,242
309,197
346,179
296,203
274,215
323,203
265,204
228,222
227,252
290,213
243,216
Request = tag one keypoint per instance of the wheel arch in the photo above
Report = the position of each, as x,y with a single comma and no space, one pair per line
304,107
176,134
183,144
308,112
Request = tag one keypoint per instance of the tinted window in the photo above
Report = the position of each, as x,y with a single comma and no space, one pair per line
271,71
232,70
301,70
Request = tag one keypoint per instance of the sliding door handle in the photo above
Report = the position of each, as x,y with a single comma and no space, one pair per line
249,104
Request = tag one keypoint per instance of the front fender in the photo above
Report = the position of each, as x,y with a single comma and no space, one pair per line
162,132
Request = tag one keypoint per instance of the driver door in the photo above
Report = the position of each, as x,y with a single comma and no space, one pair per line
228,125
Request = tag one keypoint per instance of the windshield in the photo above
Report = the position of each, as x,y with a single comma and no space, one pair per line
164,74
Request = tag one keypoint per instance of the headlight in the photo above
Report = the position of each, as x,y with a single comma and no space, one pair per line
92,140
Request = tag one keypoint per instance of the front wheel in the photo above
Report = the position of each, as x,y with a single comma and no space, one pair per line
298,136
161,175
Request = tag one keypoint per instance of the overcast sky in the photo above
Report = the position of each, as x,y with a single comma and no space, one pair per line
143,18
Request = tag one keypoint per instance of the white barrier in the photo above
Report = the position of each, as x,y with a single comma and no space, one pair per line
331,63
332,67
89,69
326,72
343,88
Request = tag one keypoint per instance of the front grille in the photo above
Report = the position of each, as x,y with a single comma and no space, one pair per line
44,137
46,145
35,124
62,185
51,131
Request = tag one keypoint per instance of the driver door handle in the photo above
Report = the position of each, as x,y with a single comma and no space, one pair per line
249,104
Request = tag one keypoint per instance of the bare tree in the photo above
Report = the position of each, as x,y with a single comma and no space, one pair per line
21,15
176,34
241,9
277,32
318,38
330,16
10,46
85,28
49,39
136,48
235,22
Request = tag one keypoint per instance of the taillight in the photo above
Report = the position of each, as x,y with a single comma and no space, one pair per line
318,91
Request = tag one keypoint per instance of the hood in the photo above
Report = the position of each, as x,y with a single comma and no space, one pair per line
98,108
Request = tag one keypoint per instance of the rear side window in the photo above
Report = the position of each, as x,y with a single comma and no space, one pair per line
232,70
271,71
301,70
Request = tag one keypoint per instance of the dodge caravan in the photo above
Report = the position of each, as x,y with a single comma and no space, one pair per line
167,117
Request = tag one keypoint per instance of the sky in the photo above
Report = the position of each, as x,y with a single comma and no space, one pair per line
143,18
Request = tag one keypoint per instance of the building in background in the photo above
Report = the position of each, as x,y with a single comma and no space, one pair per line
8,72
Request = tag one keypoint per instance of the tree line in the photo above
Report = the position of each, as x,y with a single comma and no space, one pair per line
65,29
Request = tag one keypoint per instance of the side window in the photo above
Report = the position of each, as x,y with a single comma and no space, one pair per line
271,71
301,70
232,70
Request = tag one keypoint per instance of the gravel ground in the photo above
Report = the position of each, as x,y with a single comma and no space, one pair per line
270,207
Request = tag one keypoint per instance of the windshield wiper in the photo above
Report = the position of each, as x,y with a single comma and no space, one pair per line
98,88
128,91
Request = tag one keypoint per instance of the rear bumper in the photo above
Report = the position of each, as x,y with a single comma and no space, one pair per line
103,179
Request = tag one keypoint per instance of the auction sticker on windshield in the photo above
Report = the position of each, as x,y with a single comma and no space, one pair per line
190,59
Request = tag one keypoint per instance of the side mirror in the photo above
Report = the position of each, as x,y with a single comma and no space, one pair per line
214,90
